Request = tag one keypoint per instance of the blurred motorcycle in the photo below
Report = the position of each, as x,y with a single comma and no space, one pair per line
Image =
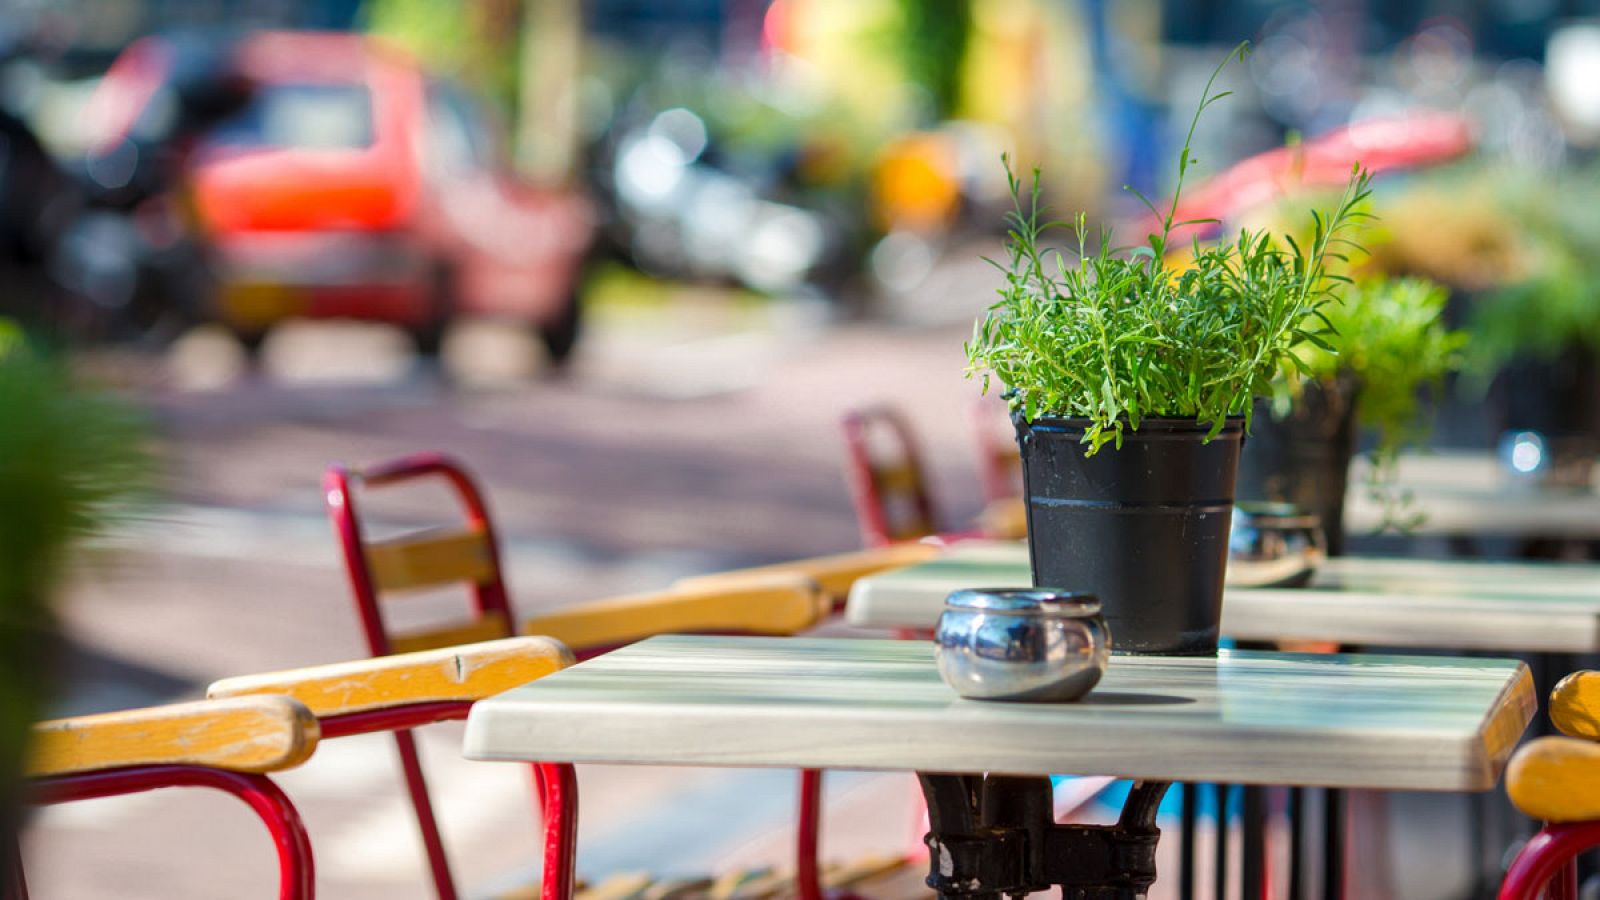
100,246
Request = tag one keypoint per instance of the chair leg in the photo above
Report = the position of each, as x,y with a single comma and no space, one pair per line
438,865
808,881
1548,854
558,803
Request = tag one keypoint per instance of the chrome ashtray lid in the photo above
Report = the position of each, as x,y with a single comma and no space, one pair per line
1026,601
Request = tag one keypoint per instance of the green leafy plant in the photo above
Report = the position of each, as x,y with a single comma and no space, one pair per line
1121,334
1390,339
1390,336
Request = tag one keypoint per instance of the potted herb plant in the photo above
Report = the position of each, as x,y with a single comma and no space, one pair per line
1131,382
1390,341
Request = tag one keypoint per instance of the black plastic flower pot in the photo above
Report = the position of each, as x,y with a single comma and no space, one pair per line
1304,457
1144,527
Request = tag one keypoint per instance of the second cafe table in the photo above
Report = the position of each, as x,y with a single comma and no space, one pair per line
1384,722
1452,605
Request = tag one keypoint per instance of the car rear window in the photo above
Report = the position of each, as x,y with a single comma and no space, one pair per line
310,116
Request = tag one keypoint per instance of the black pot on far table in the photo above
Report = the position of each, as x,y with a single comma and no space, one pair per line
1304,458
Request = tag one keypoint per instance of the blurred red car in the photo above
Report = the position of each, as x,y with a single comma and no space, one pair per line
355,186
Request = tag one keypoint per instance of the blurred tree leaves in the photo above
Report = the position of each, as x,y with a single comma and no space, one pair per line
476,41
934,45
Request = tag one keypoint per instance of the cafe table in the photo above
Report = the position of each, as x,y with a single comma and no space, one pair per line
1540,607
1252,717
1468,494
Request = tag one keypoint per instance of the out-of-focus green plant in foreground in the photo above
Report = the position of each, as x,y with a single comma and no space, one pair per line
72,459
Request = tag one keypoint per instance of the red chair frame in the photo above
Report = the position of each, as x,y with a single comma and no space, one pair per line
556,786
1548,860
296,875
865,494
556,783
489,597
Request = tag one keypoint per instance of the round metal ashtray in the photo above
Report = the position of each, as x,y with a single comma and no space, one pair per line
1028,644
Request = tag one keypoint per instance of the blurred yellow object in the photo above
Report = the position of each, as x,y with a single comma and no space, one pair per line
1454,234
915,184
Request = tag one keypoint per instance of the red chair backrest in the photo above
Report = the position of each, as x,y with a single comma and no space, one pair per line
887,484
468,554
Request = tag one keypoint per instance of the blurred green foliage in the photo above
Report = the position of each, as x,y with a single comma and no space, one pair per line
934,45
450,38
1553,303
72,460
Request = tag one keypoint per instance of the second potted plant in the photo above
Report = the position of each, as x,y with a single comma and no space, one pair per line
1391,342
1131,383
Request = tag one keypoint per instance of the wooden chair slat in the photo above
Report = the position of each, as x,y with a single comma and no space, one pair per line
900,478
491,626
776,605
1005,519
248,734
466,673
833,574
1575,705
430,559
1556,779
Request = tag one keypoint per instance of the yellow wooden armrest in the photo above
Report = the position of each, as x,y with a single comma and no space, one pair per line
468,672
834,574
775,604
1556,779
248,734
1575,705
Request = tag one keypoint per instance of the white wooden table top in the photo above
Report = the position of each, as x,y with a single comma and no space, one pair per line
1469,493
1434,604
1383,722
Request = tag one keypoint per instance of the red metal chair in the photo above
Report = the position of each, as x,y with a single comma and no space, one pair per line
771,604
888,485
468,554
182,745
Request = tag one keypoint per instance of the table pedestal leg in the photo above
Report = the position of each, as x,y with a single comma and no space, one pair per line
994,835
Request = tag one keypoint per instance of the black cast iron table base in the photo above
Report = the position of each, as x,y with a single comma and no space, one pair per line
994,835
